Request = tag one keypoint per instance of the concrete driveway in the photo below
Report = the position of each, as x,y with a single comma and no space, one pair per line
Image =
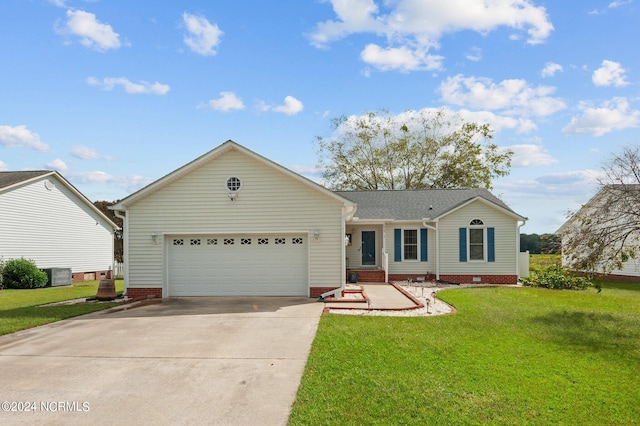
218,360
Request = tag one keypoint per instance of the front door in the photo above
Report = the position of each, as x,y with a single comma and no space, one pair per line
368,248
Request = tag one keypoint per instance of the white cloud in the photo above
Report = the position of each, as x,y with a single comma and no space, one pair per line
291,106
609,74
411,26
525,155
550,69
311,172
611,115
578,177
613,5
499,122
20,136
133,182
86,153
92,177
141,87
513,96
203,37
57,165
226,102
400,58
618,3
3,166
92,33
474,54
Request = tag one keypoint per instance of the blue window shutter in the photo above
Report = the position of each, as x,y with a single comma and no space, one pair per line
424,247
397,245
463,244
491,244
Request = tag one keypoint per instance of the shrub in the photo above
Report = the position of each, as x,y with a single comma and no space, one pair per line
22,273
556,277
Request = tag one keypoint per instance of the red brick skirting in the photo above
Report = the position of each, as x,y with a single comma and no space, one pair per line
318,291
484,279
144,293
368,275
412,277
89,276
618,278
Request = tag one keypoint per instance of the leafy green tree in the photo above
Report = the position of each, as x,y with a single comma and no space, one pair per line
530,242
605,232
416,149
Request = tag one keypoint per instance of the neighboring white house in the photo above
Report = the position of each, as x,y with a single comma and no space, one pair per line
45,219
608,197
232,222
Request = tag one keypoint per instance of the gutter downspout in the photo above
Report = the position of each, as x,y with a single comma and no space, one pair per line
519,224
125,247
435,229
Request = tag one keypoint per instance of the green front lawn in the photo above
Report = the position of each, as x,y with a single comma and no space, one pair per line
19,308
508,356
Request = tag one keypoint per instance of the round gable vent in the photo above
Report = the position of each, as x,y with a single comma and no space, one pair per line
234,184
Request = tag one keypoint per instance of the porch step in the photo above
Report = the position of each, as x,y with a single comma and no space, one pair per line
369,275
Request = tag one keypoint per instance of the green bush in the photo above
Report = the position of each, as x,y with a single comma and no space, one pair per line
22,273
555,277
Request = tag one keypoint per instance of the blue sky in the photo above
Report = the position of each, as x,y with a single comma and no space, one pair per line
115,94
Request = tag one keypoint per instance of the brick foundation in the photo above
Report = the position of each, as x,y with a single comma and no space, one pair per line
144,293
368,275
618,278
90,276
317,291
412,277
484,279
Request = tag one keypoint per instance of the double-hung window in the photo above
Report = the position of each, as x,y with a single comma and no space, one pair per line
477,242
410,242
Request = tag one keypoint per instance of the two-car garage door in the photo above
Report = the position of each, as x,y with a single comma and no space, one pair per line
238,265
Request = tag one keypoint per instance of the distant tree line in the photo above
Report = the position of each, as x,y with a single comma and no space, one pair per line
540,244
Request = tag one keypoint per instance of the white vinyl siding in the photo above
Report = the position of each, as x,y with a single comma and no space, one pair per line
410,266
269,202
54,228
505,241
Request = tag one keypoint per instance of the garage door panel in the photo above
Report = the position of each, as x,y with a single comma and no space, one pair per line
238,265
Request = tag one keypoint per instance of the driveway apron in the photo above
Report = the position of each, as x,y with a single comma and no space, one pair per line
206,360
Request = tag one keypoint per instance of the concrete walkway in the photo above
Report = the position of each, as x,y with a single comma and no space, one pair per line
381,296
200,360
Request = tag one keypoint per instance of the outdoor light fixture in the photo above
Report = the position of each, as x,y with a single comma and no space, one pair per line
316,235
156,238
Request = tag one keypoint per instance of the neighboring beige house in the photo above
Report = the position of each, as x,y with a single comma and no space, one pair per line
46,219
630,270
232,222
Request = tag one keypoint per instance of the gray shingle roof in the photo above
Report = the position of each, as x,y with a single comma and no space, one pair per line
415,204
11,178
